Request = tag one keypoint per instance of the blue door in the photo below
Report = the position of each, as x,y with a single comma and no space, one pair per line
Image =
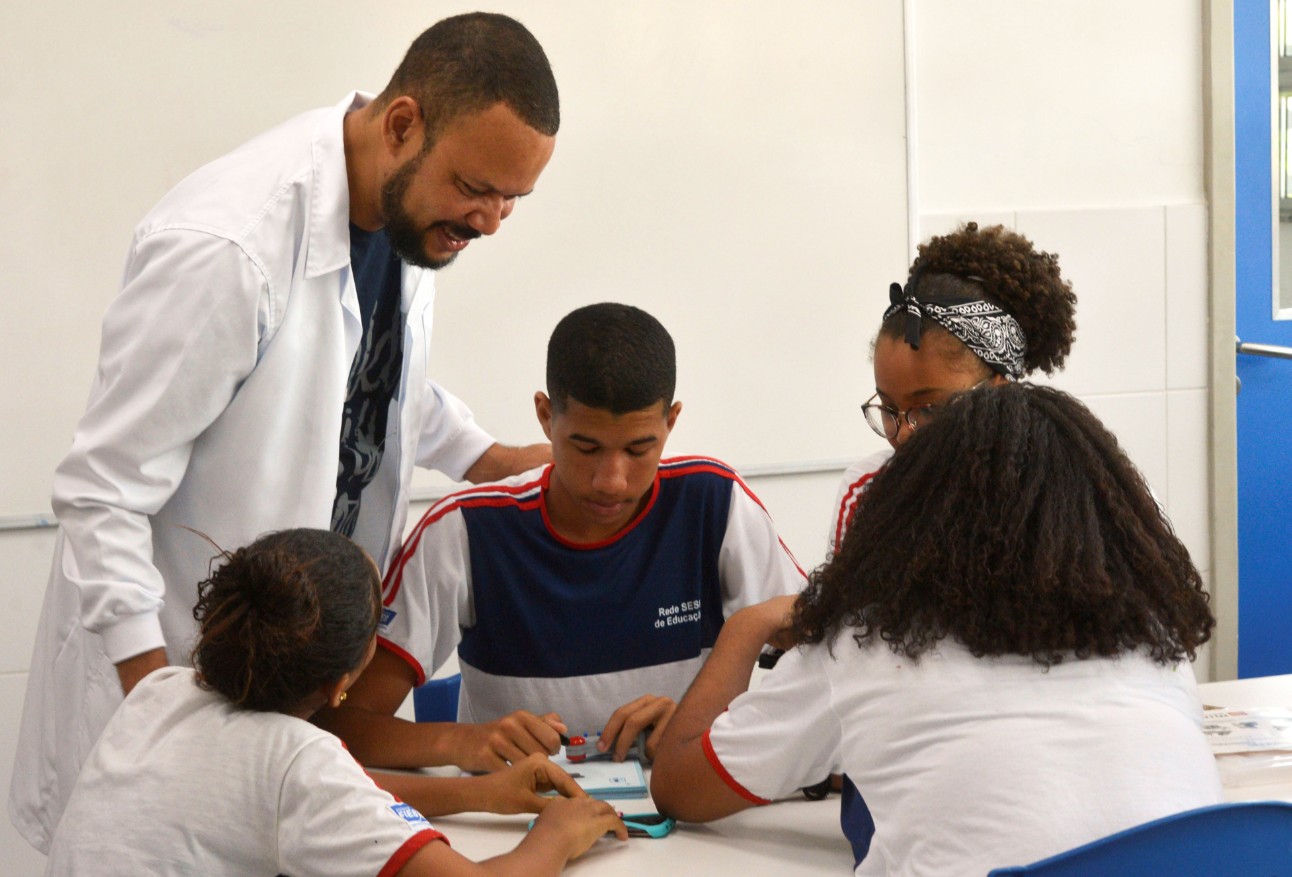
1265,394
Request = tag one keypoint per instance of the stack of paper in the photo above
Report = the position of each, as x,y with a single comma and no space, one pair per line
1252,746
606,779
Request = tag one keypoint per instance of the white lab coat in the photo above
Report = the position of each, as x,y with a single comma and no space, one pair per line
216,406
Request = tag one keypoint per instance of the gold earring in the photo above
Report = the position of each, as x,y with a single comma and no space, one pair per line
342,697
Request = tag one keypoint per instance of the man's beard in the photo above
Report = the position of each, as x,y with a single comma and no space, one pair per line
406,236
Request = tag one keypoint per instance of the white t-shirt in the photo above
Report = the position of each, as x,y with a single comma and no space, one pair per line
850,490
183,782
969,764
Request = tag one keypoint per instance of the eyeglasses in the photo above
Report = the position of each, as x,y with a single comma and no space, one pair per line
887,421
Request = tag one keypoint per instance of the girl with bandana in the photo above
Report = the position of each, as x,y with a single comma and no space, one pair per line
997,654
980,307
216,769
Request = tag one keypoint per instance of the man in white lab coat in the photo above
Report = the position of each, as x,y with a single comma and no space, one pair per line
264,367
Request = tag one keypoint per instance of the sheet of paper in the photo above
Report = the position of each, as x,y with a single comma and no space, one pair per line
1248,730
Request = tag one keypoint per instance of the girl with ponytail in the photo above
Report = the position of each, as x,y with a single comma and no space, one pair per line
216,770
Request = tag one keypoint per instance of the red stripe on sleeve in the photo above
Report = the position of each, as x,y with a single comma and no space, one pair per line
848,507
407,849
398,652
790,554
726,777
679,466
487,495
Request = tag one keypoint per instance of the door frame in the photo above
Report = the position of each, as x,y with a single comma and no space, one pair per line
1218,147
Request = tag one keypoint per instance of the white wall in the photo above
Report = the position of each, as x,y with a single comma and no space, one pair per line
1077,122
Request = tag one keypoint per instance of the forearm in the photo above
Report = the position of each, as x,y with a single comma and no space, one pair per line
436,796
501,461
542,852
723,678
683,783
382,740
534,856
537,860
105,554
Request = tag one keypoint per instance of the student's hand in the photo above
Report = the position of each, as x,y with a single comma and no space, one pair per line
648,711
577,823
565,830
519,788
493,745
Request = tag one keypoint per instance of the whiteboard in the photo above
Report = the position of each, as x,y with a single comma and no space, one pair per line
735,168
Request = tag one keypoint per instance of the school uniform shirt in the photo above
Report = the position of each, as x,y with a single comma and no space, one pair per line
182,782
217,406
851,488
969,764
545,624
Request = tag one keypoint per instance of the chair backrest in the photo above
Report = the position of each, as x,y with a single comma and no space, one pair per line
437,699
1252,839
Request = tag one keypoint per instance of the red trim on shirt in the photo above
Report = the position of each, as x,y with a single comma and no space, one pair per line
400,653
474,496
407,849
717,467
727,778
848,507
672,467
588,546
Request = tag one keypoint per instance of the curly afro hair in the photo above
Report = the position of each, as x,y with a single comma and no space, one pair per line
1015,525
1004,268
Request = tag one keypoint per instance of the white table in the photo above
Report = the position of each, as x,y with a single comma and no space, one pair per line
1263,691
1260,691
790,838
787,839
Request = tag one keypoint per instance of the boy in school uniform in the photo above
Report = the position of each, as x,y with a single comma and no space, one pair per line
587,592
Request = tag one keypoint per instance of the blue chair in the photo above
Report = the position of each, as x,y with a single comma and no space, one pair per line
1251,839
437,699
855,820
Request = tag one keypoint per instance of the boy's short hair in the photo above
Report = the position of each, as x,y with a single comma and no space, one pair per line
611,356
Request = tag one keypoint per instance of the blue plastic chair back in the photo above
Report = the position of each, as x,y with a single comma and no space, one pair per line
1251,839
855,820
437,699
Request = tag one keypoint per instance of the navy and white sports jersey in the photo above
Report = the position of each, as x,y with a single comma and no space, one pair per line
545,624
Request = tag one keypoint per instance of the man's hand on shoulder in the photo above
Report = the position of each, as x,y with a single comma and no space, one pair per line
649,713
501,461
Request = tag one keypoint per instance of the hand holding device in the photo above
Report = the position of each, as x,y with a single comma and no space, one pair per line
640,722
581,747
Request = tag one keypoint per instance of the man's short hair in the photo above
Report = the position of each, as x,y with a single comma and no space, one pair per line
611,356
468,63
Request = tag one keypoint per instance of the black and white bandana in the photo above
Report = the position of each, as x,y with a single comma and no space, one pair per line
985,329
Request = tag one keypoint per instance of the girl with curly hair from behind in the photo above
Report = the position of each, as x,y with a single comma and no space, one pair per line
997,654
